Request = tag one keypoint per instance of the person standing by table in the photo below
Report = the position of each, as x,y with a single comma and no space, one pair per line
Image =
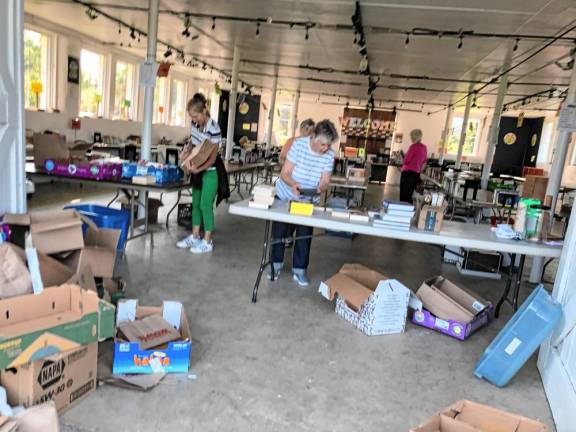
414,161
204,179
308,165
306,130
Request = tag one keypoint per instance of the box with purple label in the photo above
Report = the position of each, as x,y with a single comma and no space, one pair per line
456,329
94,171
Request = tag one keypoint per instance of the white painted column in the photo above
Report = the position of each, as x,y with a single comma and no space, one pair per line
12,144
232,103
496,116
271,112
149,89
563,139
464,127
445,134
296,104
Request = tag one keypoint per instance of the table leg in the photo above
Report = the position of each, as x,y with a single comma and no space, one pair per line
114,199
263,262
131,199
239,187
173,207
518,283
513,283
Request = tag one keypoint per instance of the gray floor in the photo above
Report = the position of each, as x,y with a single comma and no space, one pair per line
289,363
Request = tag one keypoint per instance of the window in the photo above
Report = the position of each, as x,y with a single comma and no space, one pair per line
124,101
178,103
37,77
472,136
92,69
160,99
282,122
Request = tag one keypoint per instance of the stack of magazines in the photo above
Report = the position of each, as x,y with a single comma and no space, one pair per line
395,215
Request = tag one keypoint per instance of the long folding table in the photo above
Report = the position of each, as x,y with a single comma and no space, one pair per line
471,236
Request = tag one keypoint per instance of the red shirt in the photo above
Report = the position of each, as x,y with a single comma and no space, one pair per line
415,158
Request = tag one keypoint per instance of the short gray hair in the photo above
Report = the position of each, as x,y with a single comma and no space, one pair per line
307,125
416,135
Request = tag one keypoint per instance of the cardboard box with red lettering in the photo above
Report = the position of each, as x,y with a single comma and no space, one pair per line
139,356
467,416
65,378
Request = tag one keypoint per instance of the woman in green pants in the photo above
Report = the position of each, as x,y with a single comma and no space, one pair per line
204,177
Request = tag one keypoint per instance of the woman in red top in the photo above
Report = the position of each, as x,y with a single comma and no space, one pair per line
414,161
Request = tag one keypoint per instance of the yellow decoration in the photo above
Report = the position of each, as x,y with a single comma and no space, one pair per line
301,208
510,138
36,86
97,98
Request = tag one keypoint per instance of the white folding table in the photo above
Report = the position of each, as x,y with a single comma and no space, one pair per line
457,234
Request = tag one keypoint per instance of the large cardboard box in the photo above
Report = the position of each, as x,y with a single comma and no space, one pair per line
535,187
56,231
430,218
199,155
451,309
131,358
49,146
58,319
64,378
372,302
467,416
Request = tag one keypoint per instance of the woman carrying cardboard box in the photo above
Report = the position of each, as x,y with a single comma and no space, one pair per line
205,179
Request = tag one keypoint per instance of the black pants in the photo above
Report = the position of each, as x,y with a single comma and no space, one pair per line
408,182
281,231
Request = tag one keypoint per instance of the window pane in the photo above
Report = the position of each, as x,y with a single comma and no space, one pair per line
178,103
160,101
91,84
282,121
36,66
472,136
124,89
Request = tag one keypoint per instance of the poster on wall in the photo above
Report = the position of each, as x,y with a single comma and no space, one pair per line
73,70
371,124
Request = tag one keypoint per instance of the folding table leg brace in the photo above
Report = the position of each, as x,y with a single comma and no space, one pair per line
513,283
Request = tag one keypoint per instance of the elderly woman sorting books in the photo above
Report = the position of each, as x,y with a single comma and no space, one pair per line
308,166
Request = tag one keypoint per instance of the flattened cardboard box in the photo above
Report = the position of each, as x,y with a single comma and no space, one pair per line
64,378
14,276
58,319
174,357
467,416
56,231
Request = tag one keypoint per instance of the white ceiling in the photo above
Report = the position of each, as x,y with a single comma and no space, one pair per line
478,59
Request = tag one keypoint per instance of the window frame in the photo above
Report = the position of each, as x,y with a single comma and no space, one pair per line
476,148
184,80
50,88
106,75
277,120
134,87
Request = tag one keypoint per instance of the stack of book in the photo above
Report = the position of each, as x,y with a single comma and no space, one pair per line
262,197
395,215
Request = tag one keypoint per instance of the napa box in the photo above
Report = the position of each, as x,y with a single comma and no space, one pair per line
171,357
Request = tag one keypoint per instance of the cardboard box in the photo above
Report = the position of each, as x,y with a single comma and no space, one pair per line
535,187
14,277
58,319
430,218
199,155
450,309
99,251
130,358
65,378
56,231
367,299
49,146
301,208
467,416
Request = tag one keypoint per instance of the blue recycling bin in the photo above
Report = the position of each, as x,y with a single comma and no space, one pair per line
520,338
105,217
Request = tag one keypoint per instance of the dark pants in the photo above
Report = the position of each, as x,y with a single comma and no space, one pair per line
282,231
408,182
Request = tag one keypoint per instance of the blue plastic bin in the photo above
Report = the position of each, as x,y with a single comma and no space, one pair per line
105,217
520,338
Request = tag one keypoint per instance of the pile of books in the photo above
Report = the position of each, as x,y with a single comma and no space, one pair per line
262,197
395,215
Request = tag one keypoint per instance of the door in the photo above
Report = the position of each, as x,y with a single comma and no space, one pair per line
557,359
12,150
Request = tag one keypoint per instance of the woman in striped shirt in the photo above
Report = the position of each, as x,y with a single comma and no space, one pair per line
308,165
203,128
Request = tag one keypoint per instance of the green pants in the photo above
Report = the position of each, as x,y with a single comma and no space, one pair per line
203,201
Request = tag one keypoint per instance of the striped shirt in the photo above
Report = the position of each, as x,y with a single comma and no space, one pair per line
211,131
308,168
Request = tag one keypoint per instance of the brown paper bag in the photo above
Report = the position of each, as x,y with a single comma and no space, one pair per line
15,279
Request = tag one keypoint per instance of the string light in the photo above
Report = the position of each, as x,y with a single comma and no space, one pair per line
92,13
461,41
516,45
307,34
187,23
119,28
407,41
132,33
257,30
168,53
138,37
213,23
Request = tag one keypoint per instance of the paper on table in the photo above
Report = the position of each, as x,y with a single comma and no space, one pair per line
126,311
172,312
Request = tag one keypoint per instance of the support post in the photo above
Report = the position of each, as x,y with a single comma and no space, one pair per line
496,116
464,127
151,49
271,112
295,113
445,134
232,103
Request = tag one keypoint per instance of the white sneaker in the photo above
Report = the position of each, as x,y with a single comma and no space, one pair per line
202,247
188,242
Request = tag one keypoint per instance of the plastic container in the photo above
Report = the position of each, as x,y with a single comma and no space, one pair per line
105,217
520,338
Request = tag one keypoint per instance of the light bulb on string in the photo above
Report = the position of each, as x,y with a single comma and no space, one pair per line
307,34
132,33
119,28
407,41
168,53
257,30
213,23
516,45
461,42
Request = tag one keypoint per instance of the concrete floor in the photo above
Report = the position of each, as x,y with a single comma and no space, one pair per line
289,363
